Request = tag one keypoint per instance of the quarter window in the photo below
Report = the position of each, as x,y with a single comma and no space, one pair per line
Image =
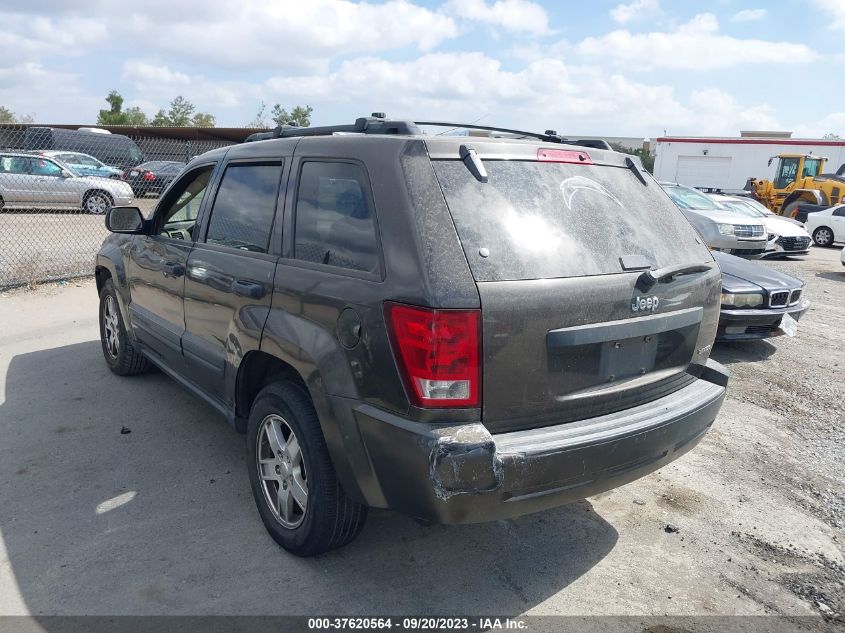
335,219
242,216
178,215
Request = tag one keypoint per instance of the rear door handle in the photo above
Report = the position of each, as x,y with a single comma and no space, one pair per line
246,288
173,269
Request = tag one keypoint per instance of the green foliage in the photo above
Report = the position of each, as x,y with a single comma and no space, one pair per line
299,114
116,115
182,113
644,155
7,116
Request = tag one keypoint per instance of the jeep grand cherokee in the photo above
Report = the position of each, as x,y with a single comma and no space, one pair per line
458,328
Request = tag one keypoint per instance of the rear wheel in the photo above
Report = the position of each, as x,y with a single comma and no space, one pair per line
97,202
823,236
121,357
299,497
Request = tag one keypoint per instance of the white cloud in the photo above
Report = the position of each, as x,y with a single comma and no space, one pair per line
835,9
511,15
25,38
625,13
749,15
158,83
696,45
545,93
50,96
833,122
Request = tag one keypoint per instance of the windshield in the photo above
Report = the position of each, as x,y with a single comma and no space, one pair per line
538,220
741,207
688,198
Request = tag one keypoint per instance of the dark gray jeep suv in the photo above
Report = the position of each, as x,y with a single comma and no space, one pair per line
459,328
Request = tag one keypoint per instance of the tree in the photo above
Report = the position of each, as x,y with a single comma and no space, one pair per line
7,116
300,114
260,120
831,136
182,113
203,119
115,115
643,154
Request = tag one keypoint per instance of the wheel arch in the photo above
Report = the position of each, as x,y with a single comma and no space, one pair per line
813,196
260,368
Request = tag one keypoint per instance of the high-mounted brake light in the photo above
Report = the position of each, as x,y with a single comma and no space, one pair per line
563,156
148,175
438,353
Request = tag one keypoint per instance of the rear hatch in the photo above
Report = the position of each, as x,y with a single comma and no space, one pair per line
557,240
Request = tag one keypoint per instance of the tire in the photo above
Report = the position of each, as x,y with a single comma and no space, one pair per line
121,357
329,519
823,236
790,210
97,202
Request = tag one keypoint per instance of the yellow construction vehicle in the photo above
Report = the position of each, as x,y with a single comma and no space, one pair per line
799,182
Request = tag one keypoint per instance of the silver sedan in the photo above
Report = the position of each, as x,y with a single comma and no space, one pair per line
30,181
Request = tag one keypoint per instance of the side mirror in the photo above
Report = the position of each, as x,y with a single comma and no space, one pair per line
66,174
125,220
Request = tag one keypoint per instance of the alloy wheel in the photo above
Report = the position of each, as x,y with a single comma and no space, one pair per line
96,204
281,471
822,237
111,327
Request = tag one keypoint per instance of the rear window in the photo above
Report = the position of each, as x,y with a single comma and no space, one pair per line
536,220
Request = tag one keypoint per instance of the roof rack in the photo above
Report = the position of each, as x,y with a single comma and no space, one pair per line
377,123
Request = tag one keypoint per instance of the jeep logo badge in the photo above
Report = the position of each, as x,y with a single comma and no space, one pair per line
643,304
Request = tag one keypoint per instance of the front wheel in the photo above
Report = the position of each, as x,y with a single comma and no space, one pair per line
823,236
299,497
97,202
121,357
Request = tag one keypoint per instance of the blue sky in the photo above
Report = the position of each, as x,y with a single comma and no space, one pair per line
630,68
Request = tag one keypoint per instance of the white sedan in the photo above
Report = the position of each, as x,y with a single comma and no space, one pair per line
786,236
827,226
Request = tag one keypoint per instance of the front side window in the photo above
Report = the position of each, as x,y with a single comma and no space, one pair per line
787,171
335,219
44,167
181,208
243,212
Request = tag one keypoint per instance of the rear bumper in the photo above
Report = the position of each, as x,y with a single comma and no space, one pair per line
744,325
463,474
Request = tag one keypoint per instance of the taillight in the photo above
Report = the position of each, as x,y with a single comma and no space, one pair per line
563,156
148,175
438,353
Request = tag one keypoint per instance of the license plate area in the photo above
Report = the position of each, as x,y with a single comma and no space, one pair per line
612,352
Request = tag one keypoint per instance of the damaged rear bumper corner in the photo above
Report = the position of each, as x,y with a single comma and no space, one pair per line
464,474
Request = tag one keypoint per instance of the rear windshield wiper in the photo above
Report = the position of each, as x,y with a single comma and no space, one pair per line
651,277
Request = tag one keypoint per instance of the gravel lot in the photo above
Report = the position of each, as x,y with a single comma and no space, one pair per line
161,520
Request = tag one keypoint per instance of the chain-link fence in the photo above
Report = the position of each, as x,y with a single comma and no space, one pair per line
56,184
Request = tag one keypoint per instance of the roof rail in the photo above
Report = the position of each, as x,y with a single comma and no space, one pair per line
377,123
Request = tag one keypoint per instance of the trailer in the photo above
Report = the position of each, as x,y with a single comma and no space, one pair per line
725,163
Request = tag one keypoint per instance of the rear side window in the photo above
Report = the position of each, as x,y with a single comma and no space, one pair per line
242,216
335,221
538,220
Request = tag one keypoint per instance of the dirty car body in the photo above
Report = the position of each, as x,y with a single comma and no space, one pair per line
480,348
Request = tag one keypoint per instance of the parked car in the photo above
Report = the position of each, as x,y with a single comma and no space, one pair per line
757,301
152,176
115,150
29,181
785,235
83,164
721,228
439,325
827,226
